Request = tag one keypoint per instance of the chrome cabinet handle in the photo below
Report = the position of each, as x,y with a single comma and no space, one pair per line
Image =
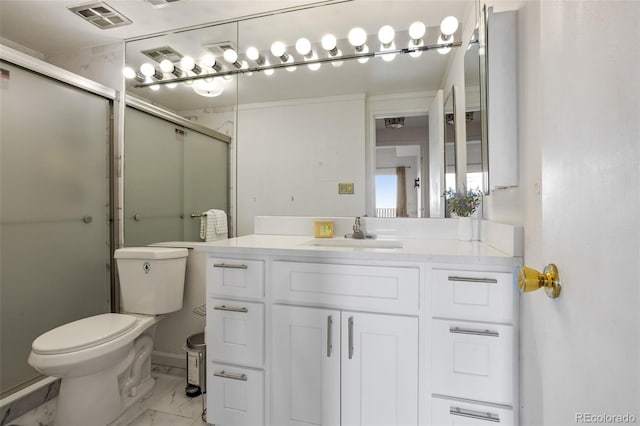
230,265
329,327
233,376
478,415
350,337
230,308
474,280
458,330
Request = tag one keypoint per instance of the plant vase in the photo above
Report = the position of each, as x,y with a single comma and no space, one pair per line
465,228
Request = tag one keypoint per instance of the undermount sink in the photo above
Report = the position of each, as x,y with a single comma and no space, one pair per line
354,243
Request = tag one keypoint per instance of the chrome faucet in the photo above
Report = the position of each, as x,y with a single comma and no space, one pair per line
358,233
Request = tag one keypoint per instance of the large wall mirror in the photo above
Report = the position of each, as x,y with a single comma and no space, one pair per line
299,135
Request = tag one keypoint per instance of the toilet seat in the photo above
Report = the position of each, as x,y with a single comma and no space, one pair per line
83,334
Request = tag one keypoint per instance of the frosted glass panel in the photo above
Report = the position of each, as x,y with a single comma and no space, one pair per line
54,145
170,172
206,179
152,179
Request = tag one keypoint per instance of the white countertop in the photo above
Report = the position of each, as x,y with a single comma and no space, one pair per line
414,250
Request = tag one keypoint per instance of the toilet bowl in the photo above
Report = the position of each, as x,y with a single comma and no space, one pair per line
104,360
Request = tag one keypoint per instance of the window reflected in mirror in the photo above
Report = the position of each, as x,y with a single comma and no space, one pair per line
401,144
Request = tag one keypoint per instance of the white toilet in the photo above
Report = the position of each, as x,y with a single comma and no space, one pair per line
104,360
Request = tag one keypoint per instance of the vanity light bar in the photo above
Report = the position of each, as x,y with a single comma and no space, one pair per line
367,55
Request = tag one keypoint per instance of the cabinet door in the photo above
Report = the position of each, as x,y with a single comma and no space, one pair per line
379,369
306,366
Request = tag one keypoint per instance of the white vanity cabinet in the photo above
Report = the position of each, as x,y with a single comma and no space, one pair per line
330,365
342,338
336,365
474,346
235,341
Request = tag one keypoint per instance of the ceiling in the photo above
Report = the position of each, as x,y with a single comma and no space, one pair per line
24,22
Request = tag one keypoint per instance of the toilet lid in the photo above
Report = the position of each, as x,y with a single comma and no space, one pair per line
83,334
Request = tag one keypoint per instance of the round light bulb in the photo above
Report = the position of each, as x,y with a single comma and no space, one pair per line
129,72
416,53
230,56
253,53
449,25
166,65
444,50
278,49
291,68
187,63
329,42
208,60
357,37
417,30
364,60
303,46
386,34
147,69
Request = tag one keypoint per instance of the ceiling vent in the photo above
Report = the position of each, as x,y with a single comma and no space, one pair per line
219,47
164,52
101,15
163,3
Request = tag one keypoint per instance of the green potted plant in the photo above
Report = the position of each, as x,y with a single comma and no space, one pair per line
463,203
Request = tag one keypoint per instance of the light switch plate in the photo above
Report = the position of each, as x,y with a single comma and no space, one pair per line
345,188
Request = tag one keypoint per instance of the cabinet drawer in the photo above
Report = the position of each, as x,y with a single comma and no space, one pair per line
472,295
235,332
449,412
235,277
473,360
235,396
378,288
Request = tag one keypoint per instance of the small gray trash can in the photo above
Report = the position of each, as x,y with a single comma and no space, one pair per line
196,350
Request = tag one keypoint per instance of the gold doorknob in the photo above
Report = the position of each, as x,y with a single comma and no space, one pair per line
529,280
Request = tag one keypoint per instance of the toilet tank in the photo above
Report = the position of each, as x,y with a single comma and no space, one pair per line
151,279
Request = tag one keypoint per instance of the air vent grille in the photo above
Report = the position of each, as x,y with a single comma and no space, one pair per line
163,52
219,47
101,15
162,3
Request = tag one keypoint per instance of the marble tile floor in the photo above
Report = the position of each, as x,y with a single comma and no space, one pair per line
167,405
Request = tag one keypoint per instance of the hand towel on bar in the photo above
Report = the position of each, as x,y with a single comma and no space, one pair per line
207,226
212,222
220,222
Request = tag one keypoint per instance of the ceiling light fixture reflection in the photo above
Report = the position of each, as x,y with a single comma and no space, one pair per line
130,74
417,31
386,35
231,57
149,70
189,64
447,49
209,89
254,55
209,61
448,26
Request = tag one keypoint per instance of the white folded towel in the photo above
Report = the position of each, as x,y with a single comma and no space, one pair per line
212,222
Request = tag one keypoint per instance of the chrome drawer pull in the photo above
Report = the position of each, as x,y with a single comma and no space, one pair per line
350,327
233,376
230,308
478,415
458,330
474,280
230,265
329,327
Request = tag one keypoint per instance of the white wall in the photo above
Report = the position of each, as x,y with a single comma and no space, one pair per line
291,155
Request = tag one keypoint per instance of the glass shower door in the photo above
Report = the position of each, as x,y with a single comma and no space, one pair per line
54,212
